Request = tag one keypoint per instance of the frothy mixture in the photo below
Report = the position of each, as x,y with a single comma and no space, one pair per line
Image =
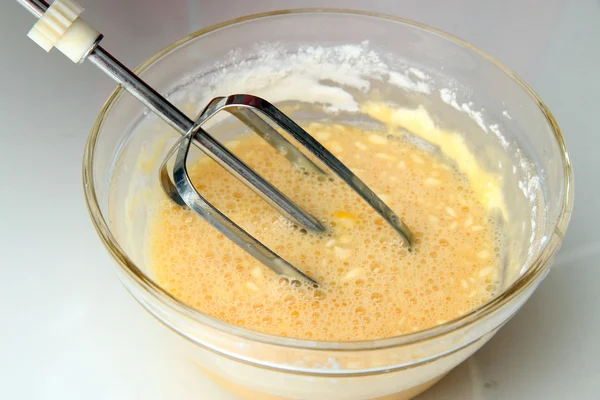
371,285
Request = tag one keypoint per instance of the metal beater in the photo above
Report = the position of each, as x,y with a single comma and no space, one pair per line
60,26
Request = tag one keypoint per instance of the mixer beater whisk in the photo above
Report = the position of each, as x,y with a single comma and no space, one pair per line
60,26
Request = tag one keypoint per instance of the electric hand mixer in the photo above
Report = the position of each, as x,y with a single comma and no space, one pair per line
60,26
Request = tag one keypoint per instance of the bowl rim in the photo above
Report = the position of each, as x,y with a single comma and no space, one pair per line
539,266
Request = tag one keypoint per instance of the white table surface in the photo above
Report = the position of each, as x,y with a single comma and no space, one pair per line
69,330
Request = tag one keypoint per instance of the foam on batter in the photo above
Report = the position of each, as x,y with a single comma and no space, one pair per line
371,285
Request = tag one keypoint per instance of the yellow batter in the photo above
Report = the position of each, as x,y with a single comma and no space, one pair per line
371,285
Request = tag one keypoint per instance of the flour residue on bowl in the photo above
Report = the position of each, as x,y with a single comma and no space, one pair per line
313,74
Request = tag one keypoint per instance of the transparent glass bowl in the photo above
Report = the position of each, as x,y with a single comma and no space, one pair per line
126,146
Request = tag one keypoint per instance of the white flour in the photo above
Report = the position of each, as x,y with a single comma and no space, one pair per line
312,74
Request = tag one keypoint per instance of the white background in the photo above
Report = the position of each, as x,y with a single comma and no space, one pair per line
69,330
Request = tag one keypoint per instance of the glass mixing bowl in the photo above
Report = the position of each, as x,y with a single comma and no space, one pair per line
361,57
